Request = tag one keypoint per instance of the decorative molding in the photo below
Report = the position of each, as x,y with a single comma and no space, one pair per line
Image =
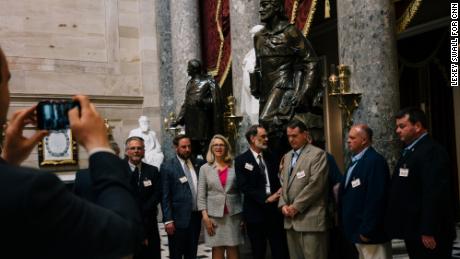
97,99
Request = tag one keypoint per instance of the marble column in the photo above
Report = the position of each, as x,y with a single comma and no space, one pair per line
244,14
167,103
367,43
185,42
178,27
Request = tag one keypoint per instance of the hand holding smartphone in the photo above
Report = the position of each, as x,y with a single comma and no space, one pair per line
53,115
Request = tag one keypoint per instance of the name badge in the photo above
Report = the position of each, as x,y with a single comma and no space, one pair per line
183,179
249,166
355,183
147,183
404,172
300,174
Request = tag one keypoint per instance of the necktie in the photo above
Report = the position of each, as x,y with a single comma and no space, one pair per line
404,152
135,177
294,158
261,165
349,170
188,174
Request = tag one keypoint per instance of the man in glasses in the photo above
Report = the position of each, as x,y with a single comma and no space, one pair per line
257,177
145,180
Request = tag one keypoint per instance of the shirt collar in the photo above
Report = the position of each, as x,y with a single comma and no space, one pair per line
299,151
416,141
359,155
182,161
133,167
255,154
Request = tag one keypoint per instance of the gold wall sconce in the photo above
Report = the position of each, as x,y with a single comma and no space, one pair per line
168,125
232,121
340,89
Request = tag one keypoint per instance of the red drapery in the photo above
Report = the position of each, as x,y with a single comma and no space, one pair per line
216,48
301,13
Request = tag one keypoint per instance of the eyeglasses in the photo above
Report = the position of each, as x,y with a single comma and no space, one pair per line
136,148
218,145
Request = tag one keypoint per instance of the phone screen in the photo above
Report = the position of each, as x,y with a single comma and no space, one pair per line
52,115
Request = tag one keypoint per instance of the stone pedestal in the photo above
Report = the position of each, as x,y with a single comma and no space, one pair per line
367,44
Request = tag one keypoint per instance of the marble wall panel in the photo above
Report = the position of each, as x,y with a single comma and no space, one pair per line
106,49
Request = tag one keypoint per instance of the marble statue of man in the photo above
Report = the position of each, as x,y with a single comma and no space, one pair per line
249,104
153,154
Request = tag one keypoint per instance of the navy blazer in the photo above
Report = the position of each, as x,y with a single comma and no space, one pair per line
38,211
420,203
177,199
252,184
363,206
148,195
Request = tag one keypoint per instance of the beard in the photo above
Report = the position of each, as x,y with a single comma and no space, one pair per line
261,145
184,156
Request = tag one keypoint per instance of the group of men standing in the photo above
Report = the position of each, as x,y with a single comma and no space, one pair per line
286,203
413,204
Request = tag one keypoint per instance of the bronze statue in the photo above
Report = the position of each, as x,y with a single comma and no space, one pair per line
203,109
285,76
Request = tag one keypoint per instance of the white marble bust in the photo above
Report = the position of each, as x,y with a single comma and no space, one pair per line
153,154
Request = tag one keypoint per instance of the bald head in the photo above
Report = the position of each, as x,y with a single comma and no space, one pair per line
359,138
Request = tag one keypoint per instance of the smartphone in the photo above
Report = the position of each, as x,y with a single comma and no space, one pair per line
52,115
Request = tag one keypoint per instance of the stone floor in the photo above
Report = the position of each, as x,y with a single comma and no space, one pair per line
399,251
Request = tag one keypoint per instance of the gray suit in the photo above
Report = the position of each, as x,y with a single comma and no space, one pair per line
213,198
306,189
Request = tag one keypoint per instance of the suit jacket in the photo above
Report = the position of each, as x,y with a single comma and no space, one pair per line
42,219
82,185
213,197
420,200
177,198
251,182
363,206
148,195
307,190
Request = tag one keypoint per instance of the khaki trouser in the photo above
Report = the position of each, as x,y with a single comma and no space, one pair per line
374,251
307,245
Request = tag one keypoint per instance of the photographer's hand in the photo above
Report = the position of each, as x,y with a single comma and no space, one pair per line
16,147
88,128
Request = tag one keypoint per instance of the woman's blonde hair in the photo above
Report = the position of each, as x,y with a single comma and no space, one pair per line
228,150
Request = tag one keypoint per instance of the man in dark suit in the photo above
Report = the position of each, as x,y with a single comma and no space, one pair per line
257,178
420,209
145,180
82,186
180,214
39,216
363,196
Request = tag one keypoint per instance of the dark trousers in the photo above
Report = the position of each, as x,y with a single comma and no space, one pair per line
184,242
274,233
339,246
416,249
153,249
